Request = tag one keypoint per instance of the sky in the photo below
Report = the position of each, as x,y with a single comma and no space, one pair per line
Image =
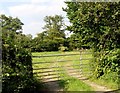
32,12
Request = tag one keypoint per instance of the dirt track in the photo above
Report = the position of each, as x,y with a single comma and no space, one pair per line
53,85
86,80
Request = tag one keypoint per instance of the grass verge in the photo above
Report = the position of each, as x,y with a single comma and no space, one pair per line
73,84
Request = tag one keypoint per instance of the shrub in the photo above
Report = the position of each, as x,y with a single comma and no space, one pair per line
107,62
16,60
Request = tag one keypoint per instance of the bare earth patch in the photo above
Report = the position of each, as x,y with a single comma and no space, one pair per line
51,81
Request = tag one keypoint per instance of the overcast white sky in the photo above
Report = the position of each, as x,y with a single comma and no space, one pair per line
32,12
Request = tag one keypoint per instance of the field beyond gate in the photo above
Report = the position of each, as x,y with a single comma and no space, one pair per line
51,66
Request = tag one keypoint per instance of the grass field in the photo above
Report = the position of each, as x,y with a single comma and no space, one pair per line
82,65
66,82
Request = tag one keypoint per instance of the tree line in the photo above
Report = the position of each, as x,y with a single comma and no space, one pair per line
53,37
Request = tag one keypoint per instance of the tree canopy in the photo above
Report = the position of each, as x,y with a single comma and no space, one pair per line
52,36
98,26
96,23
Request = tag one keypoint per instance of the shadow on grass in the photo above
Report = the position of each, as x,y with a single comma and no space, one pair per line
62,83
41,87
21,85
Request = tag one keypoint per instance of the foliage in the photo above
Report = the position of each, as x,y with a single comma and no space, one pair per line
95,27
52,37
16,57
107,62
75,42
23,41
54,26
98,26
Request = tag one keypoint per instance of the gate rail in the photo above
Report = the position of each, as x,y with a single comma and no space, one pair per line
56,70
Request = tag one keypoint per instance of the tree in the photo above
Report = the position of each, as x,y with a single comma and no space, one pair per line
55,31
23,41
54,26
38,43
52,36
74,41
98,25
94,21
16,59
